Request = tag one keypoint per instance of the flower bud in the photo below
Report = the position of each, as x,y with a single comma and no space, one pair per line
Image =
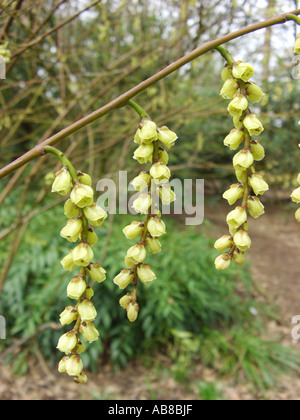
81,379
238,105
67,342
230,88
238,121
241,174
89,293
123,279
144,153
132,311
84,178
296,195
297,215
297,45
142,203
68,316
298,179
223,262
76,287
145,273
254,92
255,207
91,237
234,138
258,184
129,262
133,230
67,262
82,195
225,242
257,150
235,192
154,245
238,257
160,172
87,310
147,132
70,210
125,300
74,365
137,253
167,137
89,331
253,125
83,254
95,214
237,217
156,227
242,71
72,230
243,159
242,240
63,182
142,181
162,157
80,348
166,194
96,272
62,364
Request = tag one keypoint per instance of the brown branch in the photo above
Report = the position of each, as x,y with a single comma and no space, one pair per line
123,99
9,21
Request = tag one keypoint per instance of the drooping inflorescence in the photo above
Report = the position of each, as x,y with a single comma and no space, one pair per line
152,185
83,215
250,185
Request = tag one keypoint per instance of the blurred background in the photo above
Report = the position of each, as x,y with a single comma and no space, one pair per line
200,334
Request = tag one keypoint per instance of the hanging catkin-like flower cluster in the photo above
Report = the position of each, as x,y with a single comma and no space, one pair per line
83,215
5,52
296,193
152,186
240,90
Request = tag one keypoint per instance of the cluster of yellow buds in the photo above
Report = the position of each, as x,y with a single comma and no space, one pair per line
152,185
5,52
83,215
240,90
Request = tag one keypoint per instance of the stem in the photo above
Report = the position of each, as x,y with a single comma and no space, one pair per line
142,113
225,54
64,160
123,99
294,18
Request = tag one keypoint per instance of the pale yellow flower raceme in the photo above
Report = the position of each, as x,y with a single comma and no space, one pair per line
83,214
